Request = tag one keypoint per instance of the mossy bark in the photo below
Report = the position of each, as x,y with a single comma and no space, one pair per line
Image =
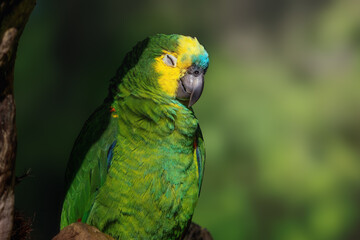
13,17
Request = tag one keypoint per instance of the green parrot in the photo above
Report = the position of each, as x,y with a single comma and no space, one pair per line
136,168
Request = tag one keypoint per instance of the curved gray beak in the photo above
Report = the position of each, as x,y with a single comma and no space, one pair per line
191,85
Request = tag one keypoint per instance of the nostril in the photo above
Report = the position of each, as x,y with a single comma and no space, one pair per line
195,71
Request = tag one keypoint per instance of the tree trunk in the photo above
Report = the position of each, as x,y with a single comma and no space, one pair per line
13,17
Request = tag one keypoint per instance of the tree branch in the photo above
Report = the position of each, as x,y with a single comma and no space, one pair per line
82,231
13,17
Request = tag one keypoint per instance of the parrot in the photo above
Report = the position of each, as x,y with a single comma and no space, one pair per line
136,168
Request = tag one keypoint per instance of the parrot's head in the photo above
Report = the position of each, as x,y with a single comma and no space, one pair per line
171,66
181,68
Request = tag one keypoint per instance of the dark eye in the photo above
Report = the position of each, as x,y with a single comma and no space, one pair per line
196,72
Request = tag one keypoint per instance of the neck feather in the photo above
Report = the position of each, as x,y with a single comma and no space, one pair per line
146,116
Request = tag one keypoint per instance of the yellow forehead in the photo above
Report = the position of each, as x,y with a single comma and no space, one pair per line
187,48
169,76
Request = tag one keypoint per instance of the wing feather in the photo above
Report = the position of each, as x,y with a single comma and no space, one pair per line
200,155
88,165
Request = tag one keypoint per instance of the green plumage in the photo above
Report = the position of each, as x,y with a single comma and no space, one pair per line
136,168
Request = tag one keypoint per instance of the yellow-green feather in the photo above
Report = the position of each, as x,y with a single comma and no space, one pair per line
152,185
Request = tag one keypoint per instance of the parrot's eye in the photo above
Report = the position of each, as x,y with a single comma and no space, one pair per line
170,60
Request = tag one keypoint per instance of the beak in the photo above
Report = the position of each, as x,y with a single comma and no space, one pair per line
191,85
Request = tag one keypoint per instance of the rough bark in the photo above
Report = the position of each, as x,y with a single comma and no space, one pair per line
81,231
196,232
13,17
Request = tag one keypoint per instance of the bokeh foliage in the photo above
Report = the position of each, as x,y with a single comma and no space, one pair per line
280,111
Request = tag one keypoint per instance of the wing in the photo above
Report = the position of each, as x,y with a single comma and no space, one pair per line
200,155
88,165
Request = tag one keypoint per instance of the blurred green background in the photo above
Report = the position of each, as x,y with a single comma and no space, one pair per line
280,112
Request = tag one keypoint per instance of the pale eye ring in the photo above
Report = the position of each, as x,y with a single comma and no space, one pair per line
170,60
